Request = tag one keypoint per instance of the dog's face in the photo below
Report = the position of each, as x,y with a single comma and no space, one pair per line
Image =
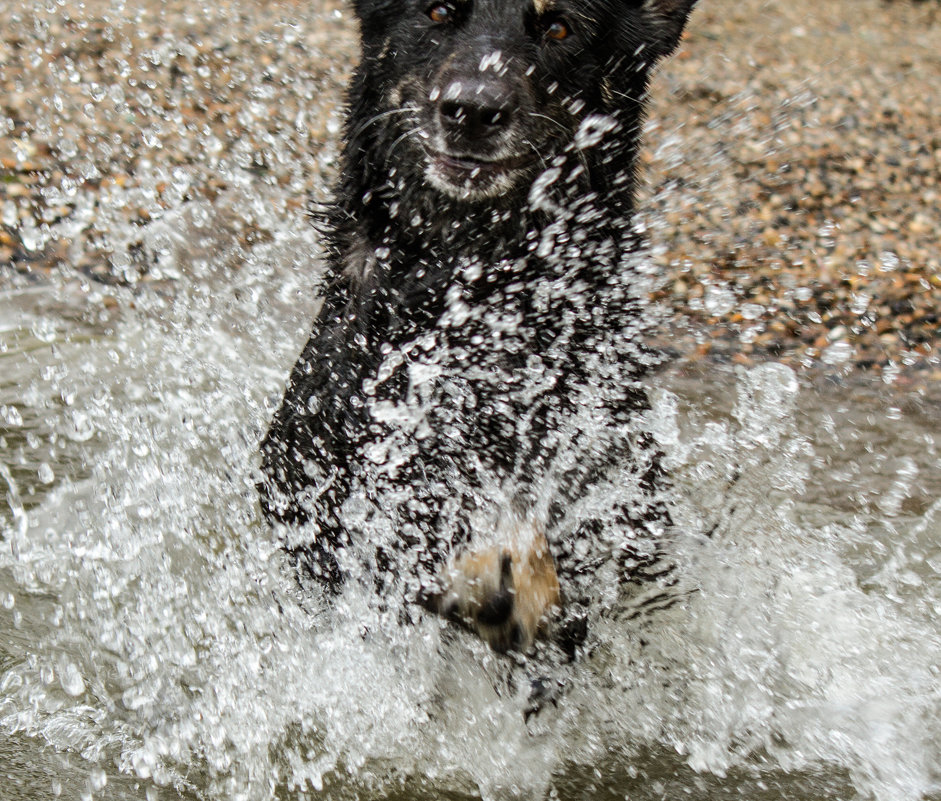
474,98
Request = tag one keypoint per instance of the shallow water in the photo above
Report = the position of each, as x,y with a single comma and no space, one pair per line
153,646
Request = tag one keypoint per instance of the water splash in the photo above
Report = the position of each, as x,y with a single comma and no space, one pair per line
162,639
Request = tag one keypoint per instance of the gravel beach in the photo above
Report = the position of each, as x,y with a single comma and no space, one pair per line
795,172
792,160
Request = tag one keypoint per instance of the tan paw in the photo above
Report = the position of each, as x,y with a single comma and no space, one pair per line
506,590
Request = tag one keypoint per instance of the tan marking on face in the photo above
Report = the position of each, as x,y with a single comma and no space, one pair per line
542,6
514,574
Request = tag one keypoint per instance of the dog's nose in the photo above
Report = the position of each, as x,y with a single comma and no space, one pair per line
476,110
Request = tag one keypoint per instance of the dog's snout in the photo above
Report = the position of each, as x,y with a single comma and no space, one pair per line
477,110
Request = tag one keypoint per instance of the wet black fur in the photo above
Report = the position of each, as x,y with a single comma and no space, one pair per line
508,299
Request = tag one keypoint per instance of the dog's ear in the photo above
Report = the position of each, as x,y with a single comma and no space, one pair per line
374,16
666,19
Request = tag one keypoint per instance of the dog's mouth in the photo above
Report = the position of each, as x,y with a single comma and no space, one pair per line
471,175
468,164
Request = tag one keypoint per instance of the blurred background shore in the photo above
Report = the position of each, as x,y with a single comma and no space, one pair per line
792,160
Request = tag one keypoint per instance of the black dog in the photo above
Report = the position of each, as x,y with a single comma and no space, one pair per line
464,427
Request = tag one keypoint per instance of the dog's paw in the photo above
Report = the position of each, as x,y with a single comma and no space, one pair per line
507,591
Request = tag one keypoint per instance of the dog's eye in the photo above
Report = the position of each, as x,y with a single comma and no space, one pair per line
441,13
557,29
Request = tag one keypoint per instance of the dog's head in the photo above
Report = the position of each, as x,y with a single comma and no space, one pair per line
474,97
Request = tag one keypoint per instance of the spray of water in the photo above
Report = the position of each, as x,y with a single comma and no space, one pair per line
158,635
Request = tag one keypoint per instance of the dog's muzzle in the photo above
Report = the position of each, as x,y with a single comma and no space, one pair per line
476,113
475,149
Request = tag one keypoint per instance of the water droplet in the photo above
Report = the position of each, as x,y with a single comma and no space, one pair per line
31,237
44,330
200,216
142,765
752,311
9,215
803,294
97,779
889,261
860,303
45,474
71,679
593,129
719,300
837,353
81,428
11,416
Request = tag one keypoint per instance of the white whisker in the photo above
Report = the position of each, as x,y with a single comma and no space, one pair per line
381,116
416,130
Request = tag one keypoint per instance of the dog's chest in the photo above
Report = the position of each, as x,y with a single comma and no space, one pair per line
486,365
